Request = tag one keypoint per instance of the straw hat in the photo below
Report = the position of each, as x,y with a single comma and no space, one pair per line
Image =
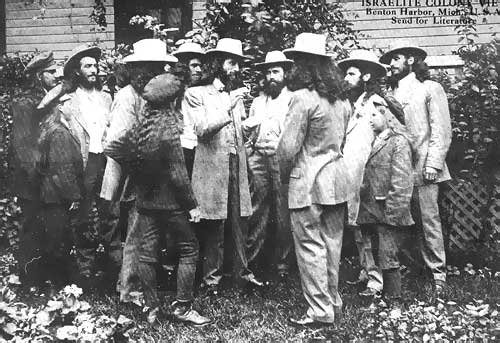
78,53
189,50
150,50
308,43
228,46
402,46
365,60
43,62
274,58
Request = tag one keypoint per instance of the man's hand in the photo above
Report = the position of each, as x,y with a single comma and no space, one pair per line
74,206
195,215
430,174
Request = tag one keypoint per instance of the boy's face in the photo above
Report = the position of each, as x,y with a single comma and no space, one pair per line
377,119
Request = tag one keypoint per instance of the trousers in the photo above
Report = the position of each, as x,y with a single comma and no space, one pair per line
317,232
425,211
269,210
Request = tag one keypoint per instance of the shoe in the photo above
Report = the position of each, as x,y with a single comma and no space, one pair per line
253,282
305,320
210,290
370,292
439,287
186,314
152,317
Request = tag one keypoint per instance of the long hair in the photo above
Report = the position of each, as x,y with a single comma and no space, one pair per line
319,74
73,80
419,67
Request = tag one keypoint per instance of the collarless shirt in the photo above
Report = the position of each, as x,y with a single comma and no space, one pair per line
94,113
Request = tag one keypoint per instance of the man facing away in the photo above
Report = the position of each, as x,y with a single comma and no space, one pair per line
88,109
427,119
310,159
220,181
269,195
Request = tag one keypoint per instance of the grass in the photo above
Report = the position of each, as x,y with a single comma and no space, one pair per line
263,316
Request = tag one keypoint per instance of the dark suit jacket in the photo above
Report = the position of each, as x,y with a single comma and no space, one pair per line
61,163
162,182
309,150
387,183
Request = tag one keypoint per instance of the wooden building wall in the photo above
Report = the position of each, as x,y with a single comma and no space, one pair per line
64,25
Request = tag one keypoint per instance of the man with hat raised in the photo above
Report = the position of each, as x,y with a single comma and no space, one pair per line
191,55
312,163
427,119
362,74
220,180
269,195
87,109
40,78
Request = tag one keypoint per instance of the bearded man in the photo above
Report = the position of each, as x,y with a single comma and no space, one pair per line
427,120
87,108
220,181
311,161
269,195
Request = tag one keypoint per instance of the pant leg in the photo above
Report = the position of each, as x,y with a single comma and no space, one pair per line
431,242
86,241
110,237
212,236
30,235
313,262
239,225
364,242
189,160
260,191
388,260
281,216
332,231
187,246
57,242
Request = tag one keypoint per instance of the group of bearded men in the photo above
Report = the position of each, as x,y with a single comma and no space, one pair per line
323,147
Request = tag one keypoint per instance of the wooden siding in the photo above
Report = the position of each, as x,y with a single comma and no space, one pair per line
437,40
64,26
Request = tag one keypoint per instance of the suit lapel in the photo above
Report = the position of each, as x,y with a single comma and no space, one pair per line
76,113
379,144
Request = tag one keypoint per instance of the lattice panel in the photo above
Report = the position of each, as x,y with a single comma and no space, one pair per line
461,204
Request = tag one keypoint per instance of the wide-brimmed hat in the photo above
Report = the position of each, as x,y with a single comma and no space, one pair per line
308,43
42,62
189,50
402,46
228,46
366,60
150,50
78,53
274,58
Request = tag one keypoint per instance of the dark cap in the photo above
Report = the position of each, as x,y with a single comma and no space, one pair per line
43,61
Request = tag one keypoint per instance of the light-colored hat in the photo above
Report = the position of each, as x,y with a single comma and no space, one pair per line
274,58
189,50
366,60
43,62
308,43
229,46
401,46
78,53
150,50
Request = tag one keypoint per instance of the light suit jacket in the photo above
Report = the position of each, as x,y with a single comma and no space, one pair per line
128,104
212,116
71,108
427,118
387,182
309,150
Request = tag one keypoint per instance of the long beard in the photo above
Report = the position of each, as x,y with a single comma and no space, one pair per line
355,92
85,83
273,89
394,78
231,83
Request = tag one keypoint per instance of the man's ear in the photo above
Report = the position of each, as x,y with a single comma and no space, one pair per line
366,77
411,60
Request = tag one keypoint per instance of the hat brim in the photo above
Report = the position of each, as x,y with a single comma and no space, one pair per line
135,58
92,51
188,54
386,58
291,52
223,52
376,69
262,65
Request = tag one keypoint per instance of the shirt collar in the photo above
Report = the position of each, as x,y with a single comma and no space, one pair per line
219,85
407,80
384,134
